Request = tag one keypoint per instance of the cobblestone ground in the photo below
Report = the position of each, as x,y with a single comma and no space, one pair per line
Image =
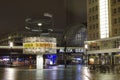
76,72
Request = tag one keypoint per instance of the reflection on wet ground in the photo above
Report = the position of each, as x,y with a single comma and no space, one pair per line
76,72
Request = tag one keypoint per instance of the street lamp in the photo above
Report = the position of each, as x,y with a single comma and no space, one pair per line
65,48
86,55
39,24
11,46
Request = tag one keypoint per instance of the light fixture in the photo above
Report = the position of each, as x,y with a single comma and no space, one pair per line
86,46
10,44
39,24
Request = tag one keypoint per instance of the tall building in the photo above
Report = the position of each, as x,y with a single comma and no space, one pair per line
103,27
103,18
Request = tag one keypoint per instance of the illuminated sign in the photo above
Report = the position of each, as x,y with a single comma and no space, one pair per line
69,50
38,45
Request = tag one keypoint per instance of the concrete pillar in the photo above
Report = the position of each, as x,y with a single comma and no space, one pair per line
39,61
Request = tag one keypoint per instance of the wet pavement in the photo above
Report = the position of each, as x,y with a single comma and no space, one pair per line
74,72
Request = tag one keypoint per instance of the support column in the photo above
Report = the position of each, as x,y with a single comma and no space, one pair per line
39,61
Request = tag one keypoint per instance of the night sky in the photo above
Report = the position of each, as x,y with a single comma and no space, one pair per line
14,12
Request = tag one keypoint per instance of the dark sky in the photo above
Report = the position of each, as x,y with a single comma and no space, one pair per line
14,12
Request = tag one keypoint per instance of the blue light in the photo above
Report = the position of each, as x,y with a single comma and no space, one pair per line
52,57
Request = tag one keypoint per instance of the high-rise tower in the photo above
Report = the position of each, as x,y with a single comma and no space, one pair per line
103,19
97,19
103,27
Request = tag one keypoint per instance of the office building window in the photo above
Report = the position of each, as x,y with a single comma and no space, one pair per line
115,21
89,37
90,28
97,35
119,9
93,35
96,8
96,25
93,26
115,31
90,18
93,17
96,16
93,9
96,0
114,11
119,20
89,10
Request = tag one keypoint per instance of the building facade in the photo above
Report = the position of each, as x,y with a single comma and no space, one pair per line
103,27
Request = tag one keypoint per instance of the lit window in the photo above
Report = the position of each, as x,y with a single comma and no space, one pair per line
104,21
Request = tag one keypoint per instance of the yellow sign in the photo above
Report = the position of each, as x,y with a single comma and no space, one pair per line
39,45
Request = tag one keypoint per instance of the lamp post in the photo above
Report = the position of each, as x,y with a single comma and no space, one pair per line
11,46
65,48
86,55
